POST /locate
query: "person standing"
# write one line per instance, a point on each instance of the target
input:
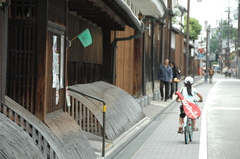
(234, 72)
(172, 84)
(205, 74)
(165, 78)
(211, 73)
(229, 72)
(225, 71)
(178, 78)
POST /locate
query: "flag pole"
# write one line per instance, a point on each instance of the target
(74, 38)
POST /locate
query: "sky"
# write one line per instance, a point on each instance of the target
(210, 10)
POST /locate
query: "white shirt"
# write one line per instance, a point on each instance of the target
(189, 97)
(225, 69)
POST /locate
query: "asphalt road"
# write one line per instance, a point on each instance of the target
(223, 119)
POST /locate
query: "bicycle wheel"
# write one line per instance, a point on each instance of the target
(190, 134)
(186, 134)
(190, 129)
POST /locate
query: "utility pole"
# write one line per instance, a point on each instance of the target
(208, 46)
(187, 40)
(228, 46)
(170, 14)
(238, 39)
(220, 47)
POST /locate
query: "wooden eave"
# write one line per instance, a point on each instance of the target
(97, 12)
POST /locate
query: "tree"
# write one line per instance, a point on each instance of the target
(194, 28)
(214, 43)
(221, 32)
(225, 29)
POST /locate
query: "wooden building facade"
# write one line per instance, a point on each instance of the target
(32, 25)
(42, 57)
(35, 26)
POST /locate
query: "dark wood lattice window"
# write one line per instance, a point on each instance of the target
(23, 9)
(22, 53)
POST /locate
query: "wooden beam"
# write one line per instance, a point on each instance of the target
(3, 51)
(97, 17)
(75, 5)
(95, 10)
(111, 13)
(41, 93)
(83, 13)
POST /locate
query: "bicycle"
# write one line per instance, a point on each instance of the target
(192, 111)
(188, 128)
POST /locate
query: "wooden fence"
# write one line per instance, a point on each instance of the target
(84, 117)
(43, 142)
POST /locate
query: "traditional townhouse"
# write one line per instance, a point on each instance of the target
(50, 81)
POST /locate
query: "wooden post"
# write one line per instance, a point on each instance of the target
(3, 49)
(107, 56)
(41, 94)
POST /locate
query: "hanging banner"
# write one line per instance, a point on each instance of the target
(55, 62)
(54, 81)
(57, 89)
(56, 57)
(68, 97)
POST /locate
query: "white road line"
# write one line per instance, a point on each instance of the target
(223, 108)
(203, 135)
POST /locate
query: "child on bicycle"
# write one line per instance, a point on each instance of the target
(189, 94)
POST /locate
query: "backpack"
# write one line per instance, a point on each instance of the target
(211, 72)
(177, 73)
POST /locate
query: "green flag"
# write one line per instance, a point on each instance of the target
(85, 37)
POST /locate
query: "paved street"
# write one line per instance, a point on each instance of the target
(223, 118)
(220, 133)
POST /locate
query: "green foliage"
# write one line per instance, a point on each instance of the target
(214, 44)
(194, 28)
(225, 29)
(214, 63)
(232, 56)
(222, 33)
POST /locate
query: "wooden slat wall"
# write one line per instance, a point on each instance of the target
(21, 71)
(83, 72)
(30, 53)
(84, 64)
(137, 64)
(77, 53)
(157, 48)
(129, 60)
(177, 58)
(179, 52)
(157, 55)
(125, 61)
(57, 11)
(148, 54)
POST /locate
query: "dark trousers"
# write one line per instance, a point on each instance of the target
(162, 83)
(176, 86)
(172, 85)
